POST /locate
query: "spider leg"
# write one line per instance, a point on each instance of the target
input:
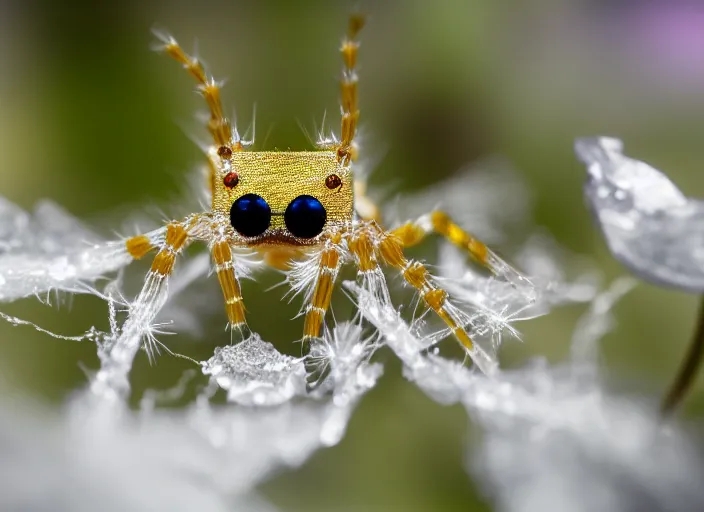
(369, 273)
(175, 240)
(218, 125)
(348, 87)
(390, 248)
(230, 285)
(141, 245)
(412, 233)
(319, 300)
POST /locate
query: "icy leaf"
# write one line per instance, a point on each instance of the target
(51, 251)
(649, 225)
(554, 437)
(346, 352)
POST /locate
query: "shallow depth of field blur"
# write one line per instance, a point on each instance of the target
(94, 120)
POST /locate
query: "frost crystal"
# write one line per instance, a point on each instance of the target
(253, 372)
(554, 437)
(650, 226)
(51, 251)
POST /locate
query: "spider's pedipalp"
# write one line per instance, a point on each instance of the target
(218, 125)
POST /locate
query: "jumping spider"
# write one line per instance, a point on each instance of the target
(294, 206)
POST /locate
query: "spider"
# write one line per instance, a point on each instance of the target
(302, 206)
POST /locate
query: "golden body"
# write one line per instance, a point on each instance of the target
(352, 229)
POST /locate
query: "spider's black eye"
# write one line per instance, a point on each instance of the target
(250, 215)
(305, 217)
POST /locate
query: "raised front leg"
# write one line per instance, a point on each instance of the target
(218, 125)
(348, 88)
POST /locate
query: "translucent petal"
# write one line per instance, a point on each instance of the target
(649, 225)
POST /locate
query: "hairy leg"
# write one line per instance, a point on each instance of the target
(390, 248)
(218, 125)
(437, 222)
(319, 302)
(348, 88)
(230, 285)
(144, 308)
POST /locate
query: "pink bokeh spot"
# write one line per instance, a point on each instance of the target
(669, 38)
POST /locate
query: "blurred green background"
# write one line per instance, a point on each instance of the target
(93, 120)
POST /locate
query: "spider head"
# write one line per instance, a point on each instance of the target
(282, 197)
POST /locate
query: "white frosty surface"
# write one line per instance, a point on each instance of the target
(116, 463)
(51, 251)
(649, 225)
(101, 455)
(554, 437)
(253, 372)
(503, 301)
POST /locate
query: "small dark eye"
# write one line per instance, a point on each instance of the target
(305, 217)
(231, 179)
(224, 152)
(250, 215)
(333, 181)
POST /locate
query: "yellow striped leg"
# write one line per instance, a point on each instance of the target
(175, 241)
(414, 273)
(232, 293)
(413, 233)
(218, 126)
(322, 293)
(141, 245)
(369, 274)
(348, 89)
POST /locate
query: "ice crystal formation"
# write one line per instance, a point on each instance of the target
(554, 436)
(649, 224)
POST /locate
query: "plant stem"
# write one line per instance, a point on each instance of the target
(688, 371)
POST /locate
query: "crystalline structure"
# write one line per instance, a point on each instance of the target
(649, 225)
(253, 372)
(554, 437)
(51, 251)
(516, 299)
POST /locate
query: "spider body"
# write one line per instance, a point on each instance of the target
(279, 178)
(305, 213)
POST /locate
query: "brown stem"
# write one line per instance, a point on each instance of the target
(688, 371)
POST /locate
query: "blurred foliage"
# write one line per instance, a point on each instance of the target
(92, 119)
